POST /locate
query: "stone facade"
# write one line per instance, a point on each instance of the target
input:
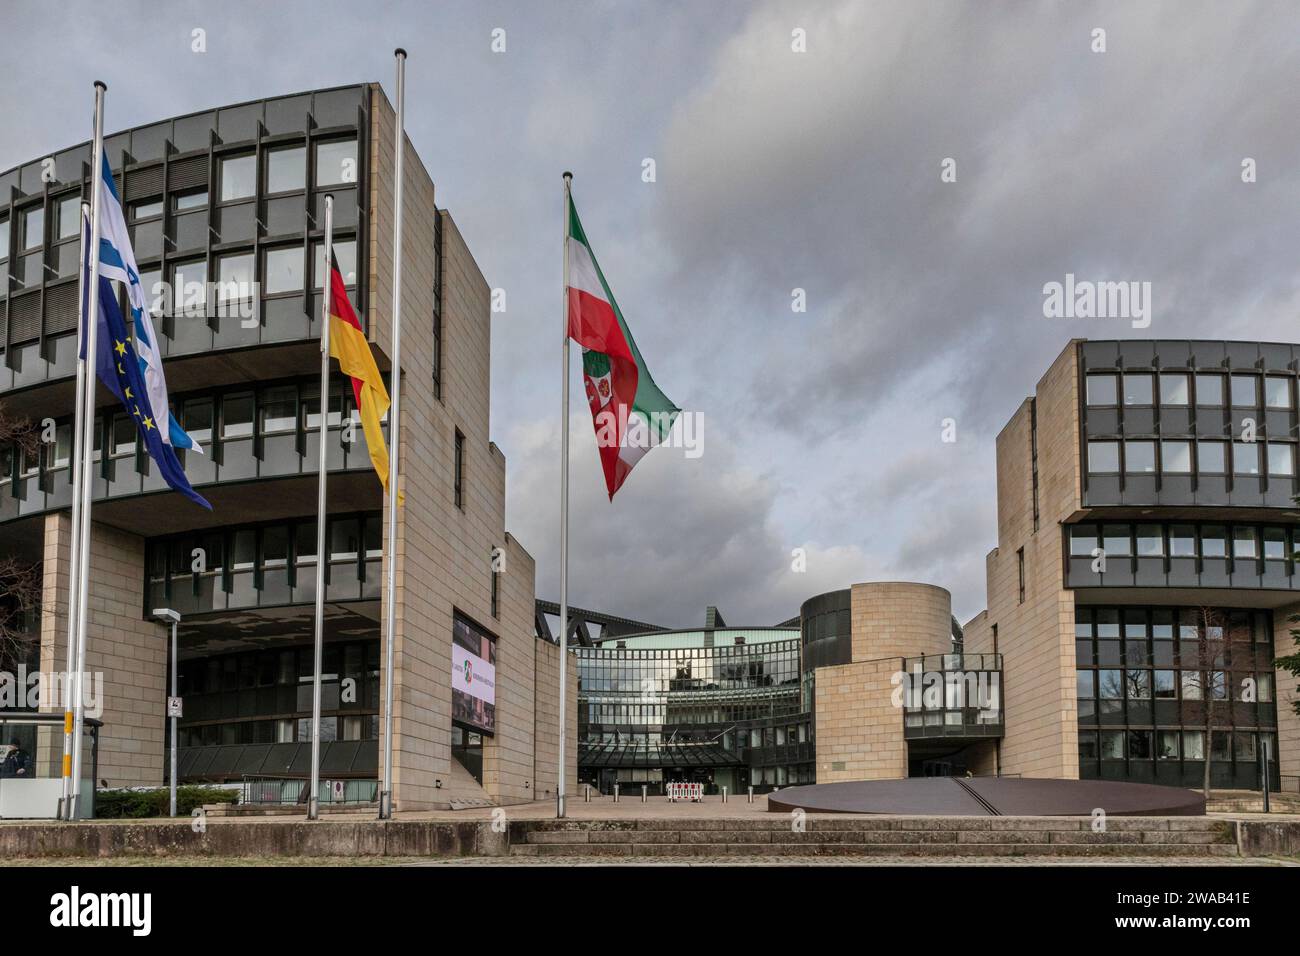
(1036, 632)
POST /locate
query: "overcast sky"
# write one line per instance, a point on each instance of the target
(776, 170)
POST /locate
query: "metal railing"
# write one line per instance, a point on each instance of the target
(258, 790)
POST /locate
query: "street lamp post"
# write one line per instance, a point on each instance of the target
(166, 615)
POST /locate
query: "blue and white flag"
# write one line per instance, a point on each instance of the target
(117, 261)
(120, 367)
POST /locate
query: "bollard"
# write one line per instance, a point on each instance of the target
(586, 793)
(751, 793)
(643, 793)
(1263, 773)
(724, 794)
(616, 793)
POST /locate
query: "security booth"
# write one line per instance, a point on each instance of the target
(31, 765)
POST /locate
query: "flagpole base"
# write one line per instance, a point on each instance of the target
(313, 808)
(559, 806)
(386, 805)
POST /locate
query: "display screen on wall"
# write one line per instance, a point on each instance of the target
(473, 676)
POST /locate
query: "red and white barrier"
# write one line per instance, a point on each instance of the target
(685, 791)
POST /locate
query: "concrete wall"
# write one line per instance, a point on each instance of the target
(123, 650)
(1036, 636)
(451, 548)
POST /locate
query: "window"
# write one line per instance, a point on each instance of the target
(1211, 457)
(1139, 457)
(1112, 745)
(1277, 392)
(1103, 457)
(1281, 459)
(278, 410)
(1176, 457)
(1167, 745)
(1182, 541)
(286, 169)
(336, 162)
(234, 281)
(146, 210)
(1166, 688)
(1191, 681)
(1245, 390)
(1245, 458)
(1193, 745)
(1274, 544)
(189, 287)
(283, 272)
(1020, 566)
(1150, 541)
(237, 416)
(33, 234)
(496, 585)
(1173, 388)
(345, 254)
(69, 217)
(458, 477)
(1137, 389)
(1115, 540)
(1214, 542)
(4, 242)
(1244, 544)
(1209, 389)
(238, 177)
(194, 200)
(1083, 538)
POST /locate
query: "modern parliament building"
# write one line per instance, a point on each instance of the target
(233, 198)
(1141, 586)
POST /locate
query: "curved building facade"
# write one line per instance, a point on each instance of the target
(225, 209)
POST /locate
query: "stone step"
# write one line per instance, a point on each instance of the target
(661, 850)
(881, 837)
(782, 823)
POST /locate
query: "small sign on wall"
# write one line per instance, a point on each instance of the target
(175, 707)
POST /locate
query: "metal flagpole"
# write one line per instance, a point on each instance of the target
(395, 379)
(87, 419)
(313, 799)
(564, 511)
(79, 433)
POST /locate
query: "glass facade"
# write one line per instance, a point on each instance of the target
(264, 565)
(1189, 423)
(234, 195)
(246, 434)
(1151, 681)
(704, 706)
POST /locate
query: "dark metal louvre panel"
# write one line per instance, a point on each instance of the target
(25, 318)
(143, 183)
(188, 173)
(61, 308)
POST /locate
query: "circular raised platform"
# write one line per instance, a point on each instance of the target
(990, 796)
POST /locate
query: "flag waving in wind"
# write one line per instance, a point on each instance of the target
(122, 370)
(117, 261)
(348, 344)
(631, 415)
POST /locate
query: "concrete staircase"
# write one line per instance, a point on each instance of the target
(875, 836)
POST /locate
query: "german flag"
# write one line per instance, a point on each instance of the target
(348, 344)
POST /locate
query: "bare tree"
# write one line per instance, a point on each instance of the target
(20, 581)
(1210, 678)
(20, 598)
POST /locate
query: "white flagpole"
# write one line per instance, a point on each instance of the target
(87, 420)
(394, 439)
(564, 512)
(313, 799)
(79, 433)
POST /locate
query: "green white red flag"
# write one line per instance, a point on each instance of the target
(630, 414)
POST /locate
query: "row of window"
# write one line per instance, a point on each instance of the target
(1236, 626)
(1188, 389)
(280, 731)
(1186, 457)
(1116, 684)
(264, 566)
(1241, 542)
(1238, 746)
(284, 171)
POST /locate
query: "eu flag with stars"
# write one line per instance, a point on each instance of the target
(120, 369)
